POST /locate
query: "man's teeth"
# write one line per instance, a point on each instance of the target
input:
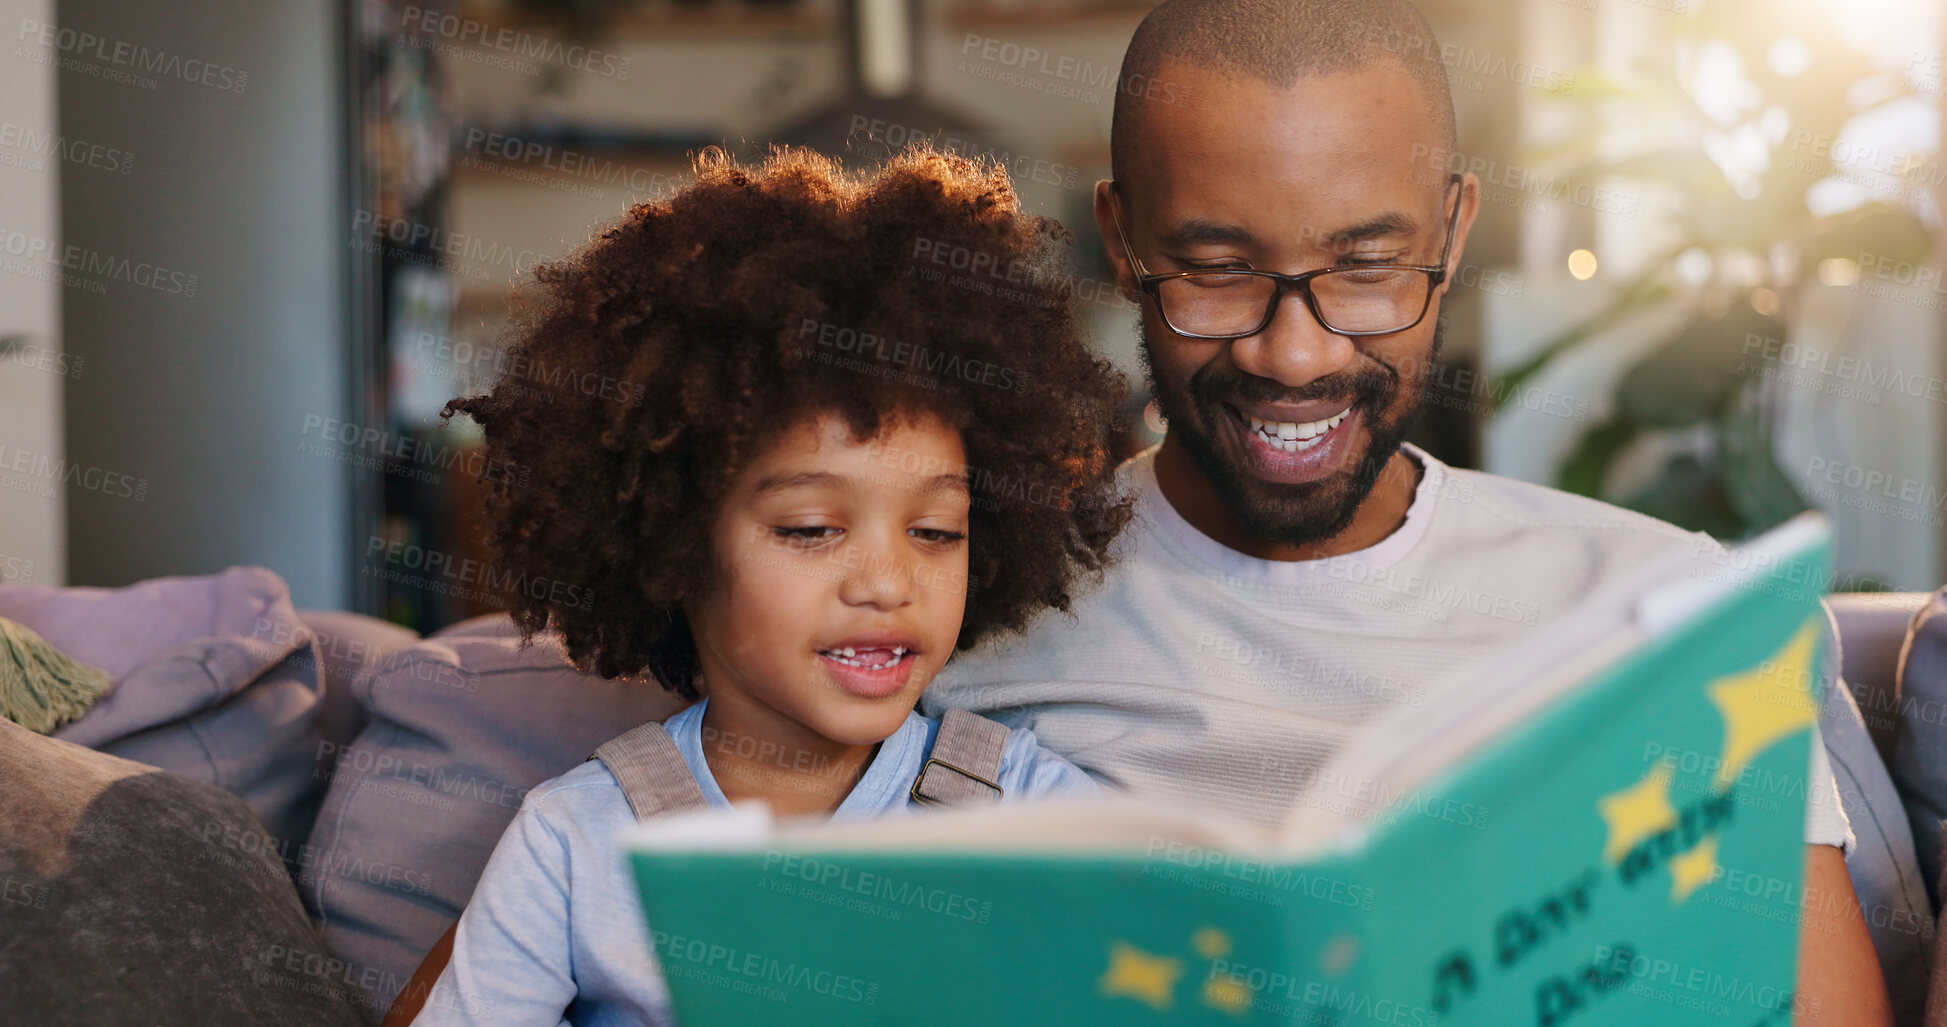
(847, 654)
(1293, 438)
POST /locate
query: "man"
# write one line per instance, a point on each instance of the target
(1294, 136)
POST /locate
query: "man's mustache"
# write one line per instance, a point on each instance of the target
(1215, 384)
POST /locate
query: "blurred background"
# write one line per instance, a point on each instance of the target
(251, 248)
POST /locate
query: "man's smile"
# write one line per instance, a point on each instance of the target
(1292, 432)
(1293, 452)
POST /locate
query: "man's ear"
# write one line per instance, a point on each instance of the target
(1125, 274)
(1470, 208)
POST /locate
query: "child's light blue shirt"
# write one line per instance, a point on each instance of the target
(554, 932)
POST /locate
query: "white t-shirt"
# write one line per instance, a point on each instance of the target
(1201, 674)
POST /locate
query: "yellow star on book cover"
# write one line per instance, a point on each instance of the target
(1220, 991)
(1766, 703)
(1139, 975)
(1639, 811)
(1692, 870)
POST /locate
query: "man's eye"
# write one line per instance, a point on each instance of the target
(1356, 275)
(940, 535)
(1215, 278)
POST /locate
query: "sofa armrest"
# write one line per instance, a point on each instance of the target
(1872, 629)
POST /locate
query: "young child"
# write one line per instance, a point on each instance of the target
(803, 434)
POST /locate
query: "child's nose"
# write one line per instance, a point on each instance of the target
(881, 579)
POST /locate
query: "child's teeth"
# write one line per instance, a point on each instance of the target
(848, 656)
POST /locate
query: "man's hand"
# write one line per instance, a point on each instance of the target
(1839, 983)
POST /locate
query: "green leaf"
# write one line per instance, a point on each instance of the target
(1689, 496)
(1646, 291)
(1886, 233)
(1757, 487)
(1585, 469)
(1695, 376)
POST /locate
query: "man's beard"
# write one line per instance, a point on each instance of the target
(1291, 514)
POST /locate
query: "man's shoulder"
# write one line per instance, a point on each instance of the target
(1490, 500)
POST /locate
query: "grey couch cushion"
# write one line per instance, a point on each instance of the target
(1884, 869)
(1937, 993)
(349, 644)
(458, 730)
(216, 679)
(1872, 627)
(130, 895)
(1920, 752)
(488, 625)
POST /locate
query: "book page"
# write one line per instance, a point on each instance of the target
(1112, 824)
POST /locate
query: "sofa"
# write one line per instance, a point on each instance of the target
(1884, 696)
(379, 768)
(376, 767)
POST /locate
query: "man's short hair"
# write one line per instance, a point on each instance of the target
(1275, 41)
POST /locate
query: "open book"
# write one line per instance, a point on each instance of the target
(1603, 826)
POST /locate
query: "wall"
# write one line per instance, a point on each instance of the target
(32, 366)
(211, 302)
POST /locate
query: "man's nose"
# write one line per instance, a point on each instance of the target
(1294, 350)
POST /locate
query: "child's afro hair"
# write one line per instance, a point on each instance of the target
(645, 370)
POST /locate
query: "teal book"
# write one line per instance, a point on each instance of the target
(1602, 826)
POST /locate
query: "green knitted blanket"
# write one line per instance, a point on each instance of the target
(41, 687)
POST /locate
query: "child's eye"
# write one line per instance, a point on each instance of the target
(939, 535)
(804, 534)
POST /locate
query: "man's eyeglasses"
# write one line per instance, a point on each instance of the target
(1357, 301)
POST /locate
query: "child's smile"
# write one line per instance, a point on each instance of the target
(873, 665)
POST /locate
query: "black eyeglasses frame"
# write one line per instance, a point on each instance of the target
(1151, 284)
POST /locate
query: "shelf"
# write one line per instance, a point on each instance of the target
(1024, 17)
(717, 20)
